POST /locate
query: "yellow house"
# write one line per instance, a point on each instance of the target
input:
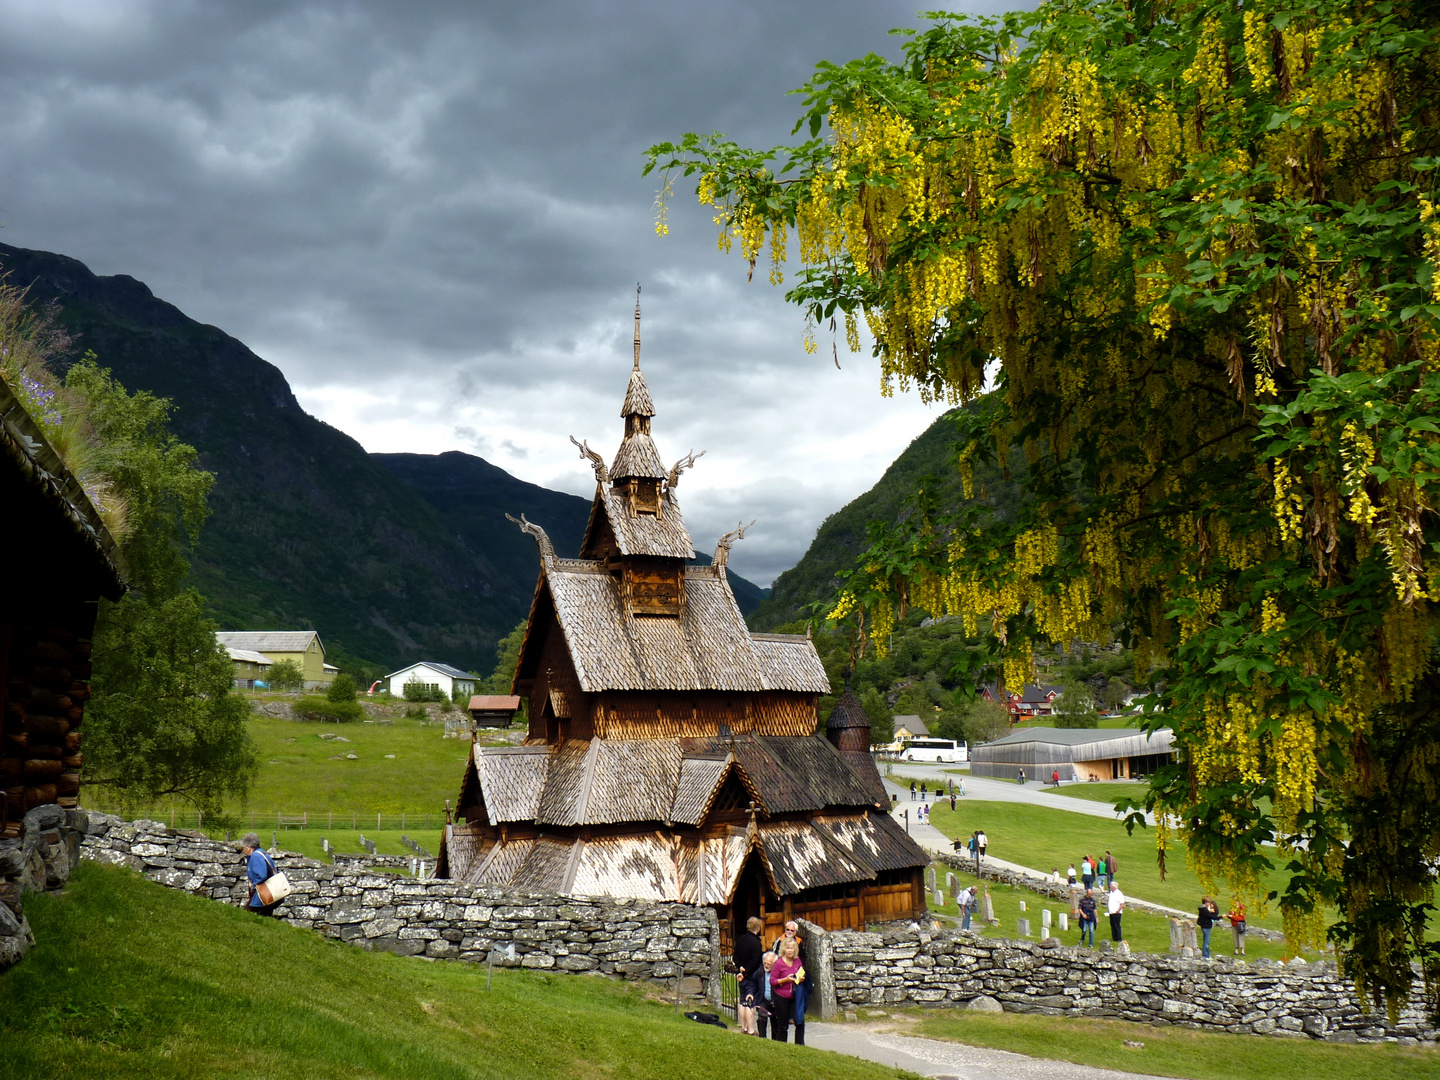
(249, 666)
(910, 727)
(302, 646)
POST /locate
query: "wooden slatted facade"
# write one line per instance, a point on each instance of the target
(671, 753)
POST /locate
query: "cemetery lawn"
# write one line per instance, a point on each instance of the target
(1043, 838)
(1145, 932)
(1173, 1051)
(130, 979)
(1109, 793)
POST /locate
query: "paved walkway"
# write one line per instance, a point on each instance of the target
(932, 839)
(931, 1057)
(992, 790)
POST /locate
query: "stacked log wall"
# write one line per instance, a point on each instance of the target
(46, 683)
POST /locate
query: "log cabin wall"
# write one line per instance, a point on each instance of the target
(47, 672)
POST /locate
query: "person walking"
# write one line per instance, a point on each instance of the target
(974, 847)
(258, 867)
(952, 801)
(1021, 778)
(1070, 876)
(983, 842)
(1055, 778)
(1111, 866)
(1087, 872)
(1237, 926)
(1088, 917)
(1115, 907)
(764, 997)
(747, 955)
(1206, 919)
(785, 978)
(912, 790)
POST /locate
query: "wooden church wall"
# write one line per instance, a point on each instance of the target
(694, 715)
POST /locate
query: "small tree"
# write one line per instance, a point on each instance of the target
(985, 721)
(1075, 707)
(415, 690)
(882, 721)
(285, 675)
(342, 689)
(507, 656)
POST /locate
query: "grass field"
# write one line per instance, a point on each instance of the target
(132, 980)
(1173, 1051)
(1042, 838)
(1145, 932)
(1107, 792)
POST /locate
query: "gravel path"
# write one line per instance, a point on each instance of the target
(931, 1057)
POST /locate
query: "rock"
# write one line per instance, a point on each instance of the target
(352, 757)
(1049, 942)
(985, 1004)
(389, 756)
(41, 818)
(851, 1017)
(1133, 1045)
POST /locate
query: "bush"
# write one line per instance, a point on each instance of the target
(416, 712)
(415, 690)
(315, 707)
(285, 675)
(341, 690)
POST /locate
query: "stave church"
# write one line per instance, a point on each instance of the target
(672, 754)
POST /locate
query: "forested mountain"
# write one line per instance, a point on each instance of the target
(928, 463)
(393, 558)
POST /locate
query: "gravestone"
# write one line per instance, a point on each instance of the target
(1064, 920)
(990, 910)
(950, 882)
(1022, 906)
(1022, 927)
(1189, 938)
(1124, 948)
(1045, 918)
(939, 898)
(930, 877)
(1044, 931)
(1177, 936)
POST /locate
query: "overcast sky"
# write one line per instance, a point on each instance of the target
(431, 217)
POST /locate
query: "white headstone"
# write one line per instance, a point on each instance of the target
(950, 881)
(1044, 932)
(1045, 918)
(989, 908)
(1022, 927)
(1022, 906)
(1064, 920)
(939, 898)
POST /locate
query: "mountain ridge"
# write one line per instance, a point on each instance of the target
(307, 530)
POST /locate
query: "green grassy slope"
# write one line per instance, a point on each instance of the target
(133, 980)
(1042, 838)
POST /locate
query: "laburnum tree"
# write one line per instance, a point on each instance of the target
(1196, 246)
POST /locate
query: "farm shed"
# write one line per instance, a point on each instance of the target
(302, 646)
(438, 677)
(1075, 753)
(672, 754)
(494, 710)
(59, 560)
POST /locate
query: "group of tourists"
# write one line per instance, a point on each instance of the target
(1209, 915)
(774, 984)
(1094, 872)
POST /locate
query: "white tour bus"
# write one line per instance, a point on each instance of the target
(934, 750)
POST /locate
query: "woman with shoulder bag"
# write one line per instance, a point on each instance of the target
(1237, 926)
(261, 871)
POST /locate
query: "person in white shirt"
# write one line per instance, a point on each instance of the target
(1115, 906)
(966, 902)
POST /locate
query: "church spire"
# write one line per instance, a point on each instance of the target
(637, 394)
(637, 327)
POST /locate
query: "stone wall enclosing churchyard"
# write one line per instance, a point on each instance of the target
(642, 941)
(433, 918)
(958, 968)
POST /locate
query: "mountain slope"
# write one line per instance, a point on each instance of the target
(393, 558)
(929, 462)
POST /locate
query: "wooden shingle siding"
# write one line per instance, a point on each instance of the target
(699, 781)
(798, 858)
(512, 779)
(544, 866)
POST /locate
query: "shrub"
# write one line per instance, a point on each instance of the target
(341, 690)
(315, 707)
(415, 690)
(415, 712)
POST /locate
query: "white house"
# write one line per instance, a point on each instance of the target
(448, 680)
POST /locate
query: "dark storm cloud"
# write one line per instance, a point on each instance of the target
(431, 218)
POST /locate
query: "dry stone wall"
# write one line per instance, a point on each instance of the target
(960, 968)
(432, 918)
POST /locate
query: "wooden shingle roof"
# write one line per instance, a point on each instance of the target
(661, 535)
